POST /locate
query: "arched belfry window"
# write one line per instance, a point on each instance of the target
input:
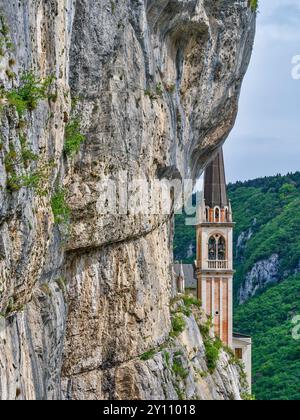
(212, 248)
(217, 214)
(221, 249)
(217, 248)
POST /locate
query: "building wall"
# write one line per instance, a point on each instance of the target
(246, 345)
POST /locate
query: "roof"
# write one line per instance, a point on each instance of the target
(238, 335)
(189, 274)
(215, 193)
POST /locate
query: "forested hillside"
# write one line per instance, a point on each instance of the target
(267, 284)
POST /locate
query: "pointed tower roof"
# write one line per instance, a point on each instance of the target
(215, 193)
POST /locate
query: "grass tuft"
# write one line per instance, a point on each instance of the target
(148, 355)
(178, 325)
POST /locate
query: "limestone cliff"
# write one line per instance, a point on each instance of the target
(153, 85)
(262, 274)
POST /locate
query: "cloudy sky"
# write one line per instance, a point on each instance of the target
(266, 138)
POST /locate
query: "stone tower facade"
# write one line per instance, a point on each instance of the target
(214, 263)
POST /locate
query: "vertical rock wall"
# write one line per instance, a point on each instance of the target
(154, 85)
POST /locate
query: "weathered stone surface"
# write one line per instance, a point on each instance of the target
(156, 378)
(190, 58)
(262, 274)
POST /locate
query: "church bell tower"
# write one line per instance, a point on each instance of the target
(214, 264)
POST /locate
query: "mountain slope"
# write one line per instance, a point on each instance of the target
(266, 212)
(276, 355)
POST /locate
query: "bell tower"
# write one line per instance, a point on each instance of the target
(214, 264)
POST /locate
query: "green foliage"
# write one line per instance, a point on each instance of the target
(32, 180)
(73, 137)
(113, 7)
(150, 94)
(185, 310)
(276, 355)
(13, 161)
(12, 308)
(4, 29)
(212, 352)
(27, 156)
(254, 5)
(248, 397)
(188, 302)
(212, 346)
(269, 209)
(60, 209)
(179, 370)
(11, 62)
(156, 93)
(148, 355)
(10, 160)
(205, 328)
(201, 374)
(178, 325)
(167, 358)
(10, 74)
(31, 90)
(5, 42)
(170, 88)
(185, 236)
(159, 89)
(191, 301)
(62, 283)
(179, 392)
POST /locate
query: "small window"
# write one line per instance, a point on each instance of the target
(239, 353)
(217, 215)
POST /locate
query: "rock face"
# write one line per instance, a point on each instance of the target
(154, 86)
(242, 241)
(262, 274)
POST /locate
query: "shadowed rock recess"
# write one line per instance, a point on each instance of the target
(154, 85)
